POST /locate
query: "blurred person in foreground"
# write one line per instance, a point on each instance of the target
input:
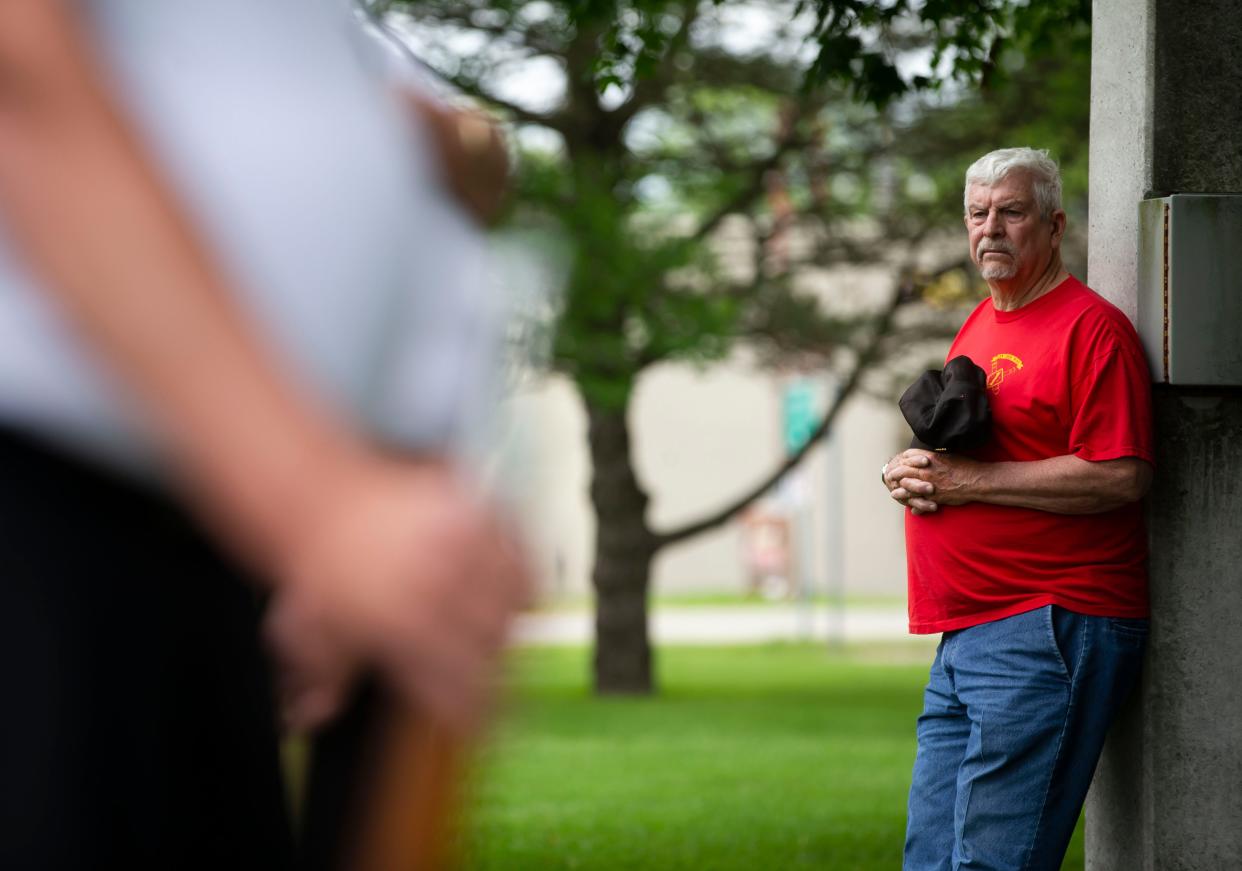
(210, 216)
(1029, 554)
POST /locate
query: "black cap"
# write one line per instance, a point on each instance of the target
(948, 410)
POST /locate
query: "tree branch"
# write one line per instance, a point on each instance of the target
(905, 292)
(472, 88)
(467, 85)
(535, 37)
(754, 181)
(650, 89)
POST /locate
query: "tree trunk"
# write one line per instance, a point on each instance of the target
(624, 548)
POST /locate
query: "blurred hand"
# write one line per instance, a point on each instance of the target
(472, 155)
(403, 571)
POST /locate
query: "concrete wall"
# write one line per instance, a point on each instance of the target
(1166, 117)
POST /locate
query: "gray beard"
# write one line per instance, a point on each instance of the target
(993, 271)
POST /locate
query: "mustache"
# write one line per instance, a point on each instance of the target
(987, 245)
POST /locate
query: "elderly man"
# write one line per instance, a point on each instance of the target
(1029, 553)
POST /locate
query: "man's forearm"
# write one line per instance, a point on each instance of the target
(1062, 485)
(95, 223)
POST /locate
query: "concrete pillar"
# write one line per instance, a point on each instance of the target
(1166, 117)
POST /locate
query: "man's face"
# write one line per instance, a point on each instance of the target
(1009, 241)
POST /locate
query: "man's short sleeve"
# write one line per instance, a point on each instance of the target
(1111, 402)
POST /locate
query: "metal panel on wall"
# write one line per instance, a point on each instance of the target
(1190, 288)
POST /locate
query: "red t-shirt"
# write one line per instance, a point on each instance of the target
(1066, 375)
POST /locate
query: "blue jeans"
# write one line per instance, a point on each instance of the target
(1014, 717)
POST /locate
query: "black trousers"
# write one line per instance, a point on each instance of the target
(137, 726)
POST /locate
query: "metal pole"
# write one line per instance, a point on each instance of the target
(834, 564)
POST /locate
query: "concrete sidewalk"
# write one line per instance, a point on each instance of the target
(729, 625)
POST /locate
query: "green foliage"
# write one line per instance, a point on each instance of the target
(782, 756)
(624, 308)
(635, 36)
(666, 131)
(859, 40)
(647, 287)
(845, 56)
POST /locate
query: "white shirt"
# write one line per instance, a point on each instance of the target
(273, 123)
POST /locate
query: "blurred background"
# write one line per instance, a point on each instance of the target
(716, 204)
(735, 238)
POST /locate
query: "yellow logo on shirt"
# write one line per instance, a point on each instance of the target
(1002, 365)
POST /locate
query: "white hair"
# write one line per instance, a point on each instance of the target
(995, 165)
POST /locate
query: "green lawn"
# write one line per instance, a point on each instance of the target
(724, 599)
(772, 757)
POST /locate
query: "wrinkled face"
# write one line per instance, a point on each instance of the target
(1009, 241)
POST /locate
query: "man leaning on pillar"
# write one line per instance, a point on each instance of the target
(1028, 554)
